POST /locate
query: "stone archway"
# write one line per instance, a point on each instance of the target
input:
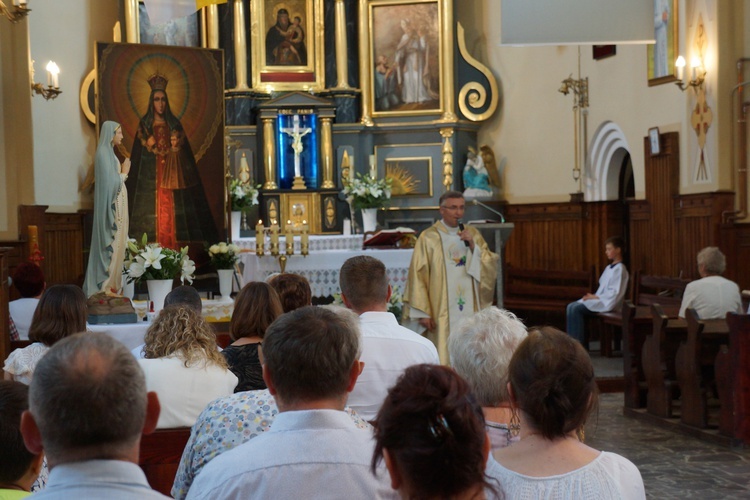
(608, 150)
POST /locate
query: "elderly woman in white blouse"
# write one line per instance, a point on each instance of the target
(552, 386)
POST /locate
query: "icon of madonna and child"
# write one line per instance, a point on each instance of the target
(166, 197)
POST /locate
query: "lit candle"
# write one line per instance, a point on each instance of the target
(304, 239)
(680, 65)
(260, 240)
(695, 63)
(275, 234)
(33, 234)
(289, 238)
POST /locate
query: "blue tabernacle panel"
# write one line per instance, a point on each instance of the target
(308, 129)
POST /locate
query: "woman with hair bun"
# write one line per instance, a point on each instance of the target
(551, 384)
(430, 432)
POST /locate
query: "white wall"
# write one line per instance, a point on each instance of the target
(64, 142)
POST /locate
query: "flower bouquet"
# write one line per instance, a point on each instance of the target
(224, 256)
(149, 261)
(365, 192)
(244, 195)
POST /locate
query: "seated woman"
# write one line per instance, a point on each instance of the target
(552, 386)
(183, 366)
(28, 279)
(293, 290)
(61, 312)
(19, 468)
(613, 284)
(430, 432)
(480, 350)
(256, 306)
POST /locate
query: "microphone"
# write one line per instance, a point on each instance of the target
(477, 202)
(461, 228)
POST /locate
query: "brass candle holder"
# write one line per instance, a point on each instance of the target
(274, 246)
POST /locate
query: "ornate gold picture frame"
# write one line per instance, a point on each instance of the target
(287, 40)
(663, 54)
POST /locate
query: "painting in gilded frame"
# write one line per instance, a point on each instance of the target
(410, 176)
(287, 45)
(663, 53)
(406, 57)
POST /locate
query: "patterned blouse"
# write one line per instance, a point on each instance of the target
(226, 423)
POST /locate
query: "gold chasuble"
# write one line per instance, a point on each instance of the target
(448, 282)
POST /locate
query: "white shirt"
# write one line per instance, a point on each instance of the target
(305, 454)
(387, 350)
(185, 391)
(22, 310)
(711, 297)
(22, 362)
(607, 476)
(613, 283)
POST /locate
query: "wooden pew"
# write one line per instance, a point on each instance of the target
(694, 364)
(160, 456)
(733, 379)
(663, 290)
(636, 323)
(659, 350)
(544, 290)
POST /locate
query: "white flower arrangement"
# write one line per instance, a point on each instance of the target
(365, 192)
(244, 195)
(149, 261)
(224, 256)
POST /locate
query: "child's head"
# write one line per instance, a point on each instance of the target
(174, 138)
(17, 464)
(297, 20)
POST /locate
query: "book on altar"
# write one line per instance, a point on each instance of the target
(388, 237)
(484, 221)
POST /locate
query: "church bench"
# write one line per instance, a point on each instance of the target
(663, 290)
(658, 357)
(732, 368)
(694, 364)
(160, 456)
(544, 290)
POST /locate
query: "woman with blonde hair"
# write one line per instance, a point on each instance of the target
(183, 366)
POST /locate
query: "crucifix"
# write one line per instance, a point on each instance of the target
(297, 133)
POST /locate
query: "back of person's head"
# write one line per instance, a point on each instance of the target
(293, 290)
(616, 241)
(180, 331)
(61, 312)
(28, 279)
(480, 350)
(184, 295)
(88, 399)
(364, 282)
(433, 431)
(309, 354)
(15, 459)
(255, 308)
(712, 260)
(553, 383)
(449, 195)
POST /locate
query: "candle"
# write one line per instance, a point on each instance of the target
(304, 239)
(373, 170)
(347, 227)
(33, 234)
(289, 238)
(260, 240)
(274, 234)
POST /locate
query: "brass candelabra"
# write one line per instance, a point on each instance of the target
(272, 232)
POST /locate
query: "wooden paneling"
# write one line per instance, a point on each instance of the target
(60, 240)
(735, 242)
(4, 314)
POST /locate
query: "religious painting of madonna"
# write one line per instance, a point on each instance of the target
(170, 104)
(405, 57)
(287, 44)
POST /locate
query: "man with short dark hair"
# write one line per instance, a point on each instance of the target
(88, 407)
(452, 274)
(387, 347)
(313, 448)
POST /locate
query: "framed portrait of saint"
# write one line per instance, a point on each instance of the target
(406, 57)
(169, 102)
(287, 39)
(663, 53)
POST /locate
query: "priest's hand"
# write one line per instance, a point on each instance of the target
(465, 235)
(428, 323)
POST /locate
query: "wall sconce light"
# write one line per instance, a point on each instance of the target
(19, 10)
(53, 84)
(580, 89)
(698, 73)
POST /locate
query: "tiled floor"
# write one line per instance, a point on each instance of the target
(672, 465)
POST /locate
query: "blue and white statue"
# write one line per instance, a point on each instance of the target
(480, 174)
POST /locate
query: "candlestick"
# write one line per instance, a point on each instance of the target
(260, 239)
(274, 238)
(373, 169)
(304, 239)
(33, 234)
(289, 238)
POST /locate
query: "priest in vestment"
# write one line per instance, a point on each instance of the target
(452, 274)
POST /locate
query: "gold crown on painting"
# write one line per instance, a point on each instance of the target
(157, 82)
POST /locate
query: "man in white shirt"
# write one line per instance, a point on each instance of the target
(387, 347)
(88, 407)
(313, 449)
(712, 296)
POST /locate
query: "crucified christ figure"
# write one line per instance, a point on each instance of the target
(296, 133)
